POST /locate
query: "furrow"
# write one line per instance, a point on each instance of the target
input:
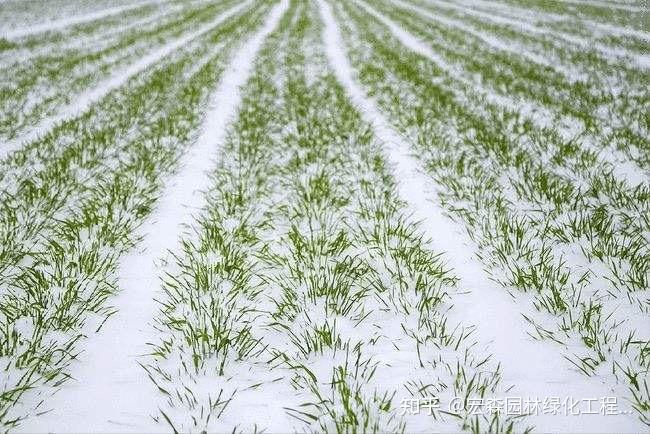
(70, 21)
(523, 359)
(82, 102)
(66, 271)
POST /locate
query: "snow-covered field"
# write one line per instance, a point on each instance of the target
(324, 216)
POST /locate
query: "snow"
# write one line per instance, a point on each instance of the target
(608, 4)
(536, 15)
(492, 41)
(110, 392)
(18, 55)
(70, 21)
(538, 369)
(82, 102)
(527, 25)
(540, 115)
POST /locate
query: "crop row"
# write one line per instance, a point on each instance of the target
(39, 86)
(72, 199)
(304, 289)
(549, 218)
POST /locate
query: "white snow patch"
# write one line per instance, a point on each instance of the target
(110, 391)
(607, 4)
(525, 21)
(70, 21)
(541, 116)
(83, 101)
(493, 41)
(537, 369)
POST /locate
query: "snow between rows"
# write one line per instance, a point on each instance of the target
(492, 41)
(536, 368)
(24, 55)
(82, 102)
(536, 16)
(110, 391)
(523, 24)
(541, 116)
(607, 4)
(71, 21)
